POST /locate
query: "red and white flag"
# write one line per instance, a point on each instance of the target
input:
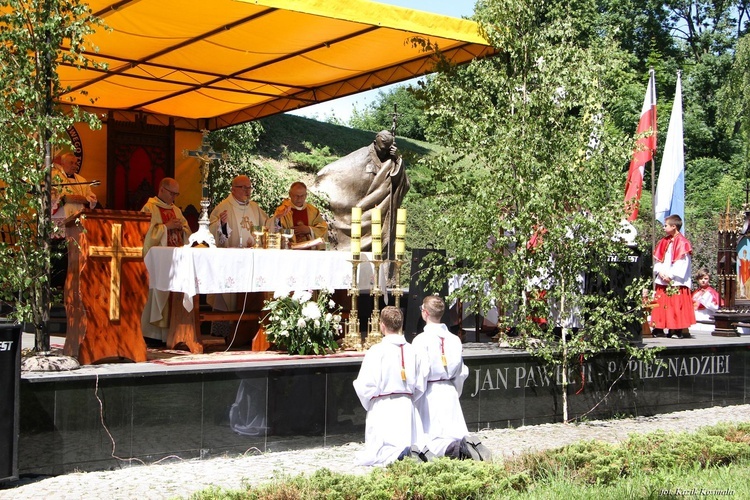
(643, 153)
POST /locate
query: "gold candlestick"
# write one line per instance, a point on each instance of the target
(400, 253)
(353, 338)
(373, 331)
(397, 291)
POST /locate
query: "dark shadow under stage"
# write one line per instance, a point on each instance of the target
(177, 404)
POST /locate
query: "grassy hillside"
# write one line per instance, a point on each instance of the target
(288, 133)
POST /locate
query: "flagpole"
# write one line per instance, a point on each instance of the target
(652, 81)
(670, 190)
(653, 207)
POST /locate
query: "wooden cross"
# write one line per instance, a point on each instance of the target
(116, 253)
(396, 115)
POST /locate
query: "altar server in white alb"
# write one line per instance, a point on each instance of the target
(439, 409)
(390, 380)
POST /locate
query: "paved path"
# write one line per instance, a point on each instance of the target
(182, 478)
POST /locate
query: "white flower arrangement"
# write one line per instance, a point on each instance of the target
(300, 325)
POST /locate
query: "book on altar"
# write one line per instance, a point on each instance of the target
(304, 245)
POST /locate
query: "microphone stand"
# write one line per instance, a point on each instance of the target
(92, 184)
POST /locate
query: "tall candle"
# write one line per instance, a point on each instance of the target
(356, 215)
(355, 247)
(400, 247)
(356, 231)
(401, 215)
(376, 229)
(375, 216)
(377, 247)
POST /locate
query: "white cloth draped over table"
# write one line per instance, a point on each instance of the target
(193, 271)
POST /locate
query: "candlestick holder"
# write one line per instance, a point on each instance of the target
(396, 291)
(373, 330)
(373, 326)
(353, 337)
(203, 234)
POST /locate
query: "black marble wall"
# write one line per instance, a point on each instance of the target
(510, 391)
(81, 423)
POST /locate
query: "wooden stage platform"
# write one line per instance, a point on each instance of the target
(188, 405)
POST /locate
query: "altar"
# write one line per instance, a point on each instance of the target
(189, 272)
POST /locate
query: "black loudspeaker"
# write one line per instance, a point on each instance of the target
(621, 274)
(419, 288)
(10, 378)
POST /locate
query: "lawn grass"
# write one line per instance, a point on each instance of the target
(730, 481)
(713, 462)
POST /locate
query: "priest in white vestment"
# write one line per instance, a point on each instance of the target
(390, 380)
(168, 228)
(232, 220)
(439, 409)
(231, 223)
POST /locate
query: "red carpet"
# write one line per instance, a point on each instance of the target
(186, 358)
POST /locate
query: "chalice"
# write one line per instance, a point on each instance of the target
(258, 233)
(287, 234)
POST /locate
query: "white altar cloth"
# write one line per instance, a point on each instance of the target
(193, 271)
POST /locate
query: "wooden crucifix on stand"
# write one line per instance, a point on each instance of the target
(205, 155)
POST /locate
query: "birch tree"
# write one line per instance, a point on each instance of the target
(529, 193)
(36, 37)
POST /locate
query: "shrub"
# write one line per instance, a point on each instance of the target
(317, 158)
(645, 464)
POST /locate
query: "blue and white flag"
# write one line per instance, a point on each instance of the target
(670, 190)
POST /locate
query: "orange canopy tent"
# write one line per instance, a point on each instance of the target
(209, 65)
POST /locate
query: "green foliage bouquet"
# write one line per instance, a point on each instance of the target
(300, 324)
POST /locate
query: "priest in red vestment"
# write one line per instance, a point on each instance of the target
(168, 228)
(305, 219)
